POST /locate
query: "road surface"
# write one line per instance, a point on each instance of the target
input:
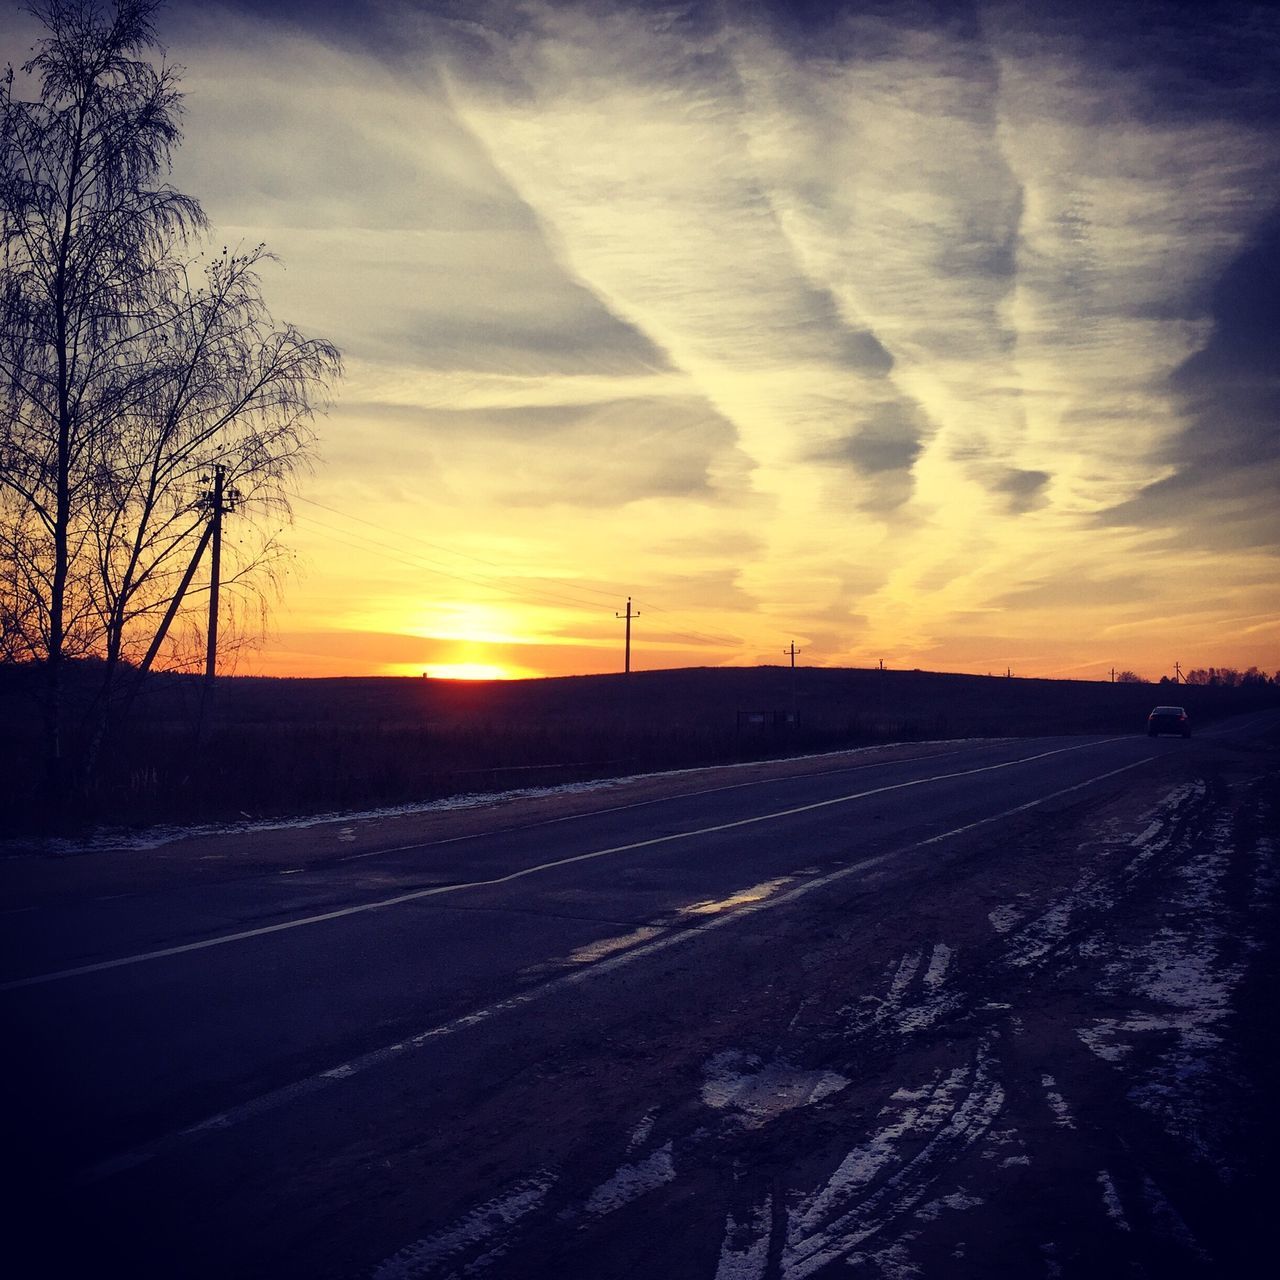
(960, 1009)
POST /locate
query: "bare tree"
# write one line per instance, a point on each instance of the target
(131, 363)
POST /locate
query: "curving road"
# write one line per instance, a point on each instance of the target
(774, 1021)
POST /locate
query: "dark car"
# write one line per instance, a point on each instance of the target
(1168, 720)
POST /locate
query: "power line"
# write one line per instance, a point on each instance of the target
(735, 642)
(453, 551)
(494, 583)
(421, 564)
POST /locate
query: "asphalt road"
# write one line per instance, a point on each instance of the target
(517, 1042)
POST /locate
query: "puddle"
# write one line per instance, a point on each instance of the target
(594, 951)
(757, 893)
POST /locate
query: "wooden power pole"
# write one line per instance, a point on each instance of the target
(795, 705)
(221, 501)
(628, 616)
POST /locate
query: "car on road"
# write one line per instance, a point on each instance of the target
(1168, 720)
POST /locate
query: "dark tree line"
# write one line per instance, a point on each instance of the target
(1230, 678)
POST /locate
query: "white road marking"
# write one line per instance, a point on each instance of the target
(684, 795)
(377, 1057)
(418, 895)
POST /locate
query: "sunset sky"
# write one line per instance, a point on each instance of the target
(937, 334)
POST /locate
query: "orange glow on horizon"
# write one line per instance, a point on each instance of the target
(465, 671)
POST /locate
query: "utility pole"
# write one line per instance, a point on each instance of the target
(1113, 675)
(628, 615)
(1177, 673)
(221, 501)
(795, 705)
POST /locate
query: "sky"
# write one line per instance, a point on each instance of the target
(941, 335)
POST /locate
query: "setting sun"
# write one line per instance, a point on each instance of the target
(467, 671)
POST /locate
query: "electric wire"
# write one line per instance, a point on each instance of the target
(453, 551)
(498, 584)
(423, 565)
(419, 564)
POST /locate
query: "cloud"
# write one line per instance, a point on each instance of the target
(597, 455)
(634, 141)
(540, 325)
(1078, 590)
(1224, 463)
(1025, 488)
(282, 128)
(1013, 222)
(891, 442)
(878, 323)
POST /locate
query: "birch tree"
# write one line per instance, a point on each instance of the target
(133, 358)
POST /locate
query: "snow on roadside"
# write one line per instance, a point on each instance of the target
(1003, 918)
(630, 1181)
(1062, 1116)
(1032, 944)
(125, 839)
(117, 840)
(1180, 978)
(757, 1091)
(1184, 971)
(858, 1200)
(1111, 1201)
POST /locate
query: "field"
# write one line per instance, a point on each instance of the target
(276, 747)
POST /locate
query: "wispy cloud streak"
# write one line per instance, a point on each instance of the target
(938, 333)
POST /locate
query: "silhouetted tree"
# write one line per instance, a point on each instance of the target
(131, 363)
(1129, 677)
